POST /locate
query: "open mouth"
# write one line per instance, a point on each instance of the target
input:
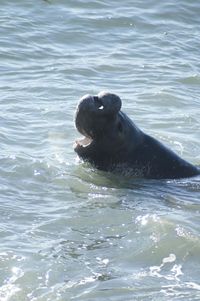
(84, 142)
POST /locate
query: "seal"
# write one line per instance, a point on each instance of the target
(112, 142)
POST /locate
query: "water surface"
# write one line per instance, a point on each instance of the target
(69, 232)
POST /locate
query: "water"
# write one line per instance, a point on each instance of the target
(69, 232)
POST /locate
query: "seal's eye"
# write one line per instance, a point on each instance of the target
(120, 127)
(98, 102)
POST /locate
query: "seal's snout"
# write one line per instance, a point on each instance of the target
(111, 102)
(98, 103)
(103, 103)
(85, 103)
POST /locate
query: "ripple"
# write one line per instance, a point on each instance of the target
(69, 231)
(191, 80)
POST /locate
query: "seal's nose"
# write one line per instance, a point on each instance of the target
(85, 102)
(103, 104)
(90, 103)
(98, 103)
(111, 102)
(86, 98)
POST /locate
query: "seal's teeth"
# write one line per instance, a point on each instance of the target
(101, 107)
(84, 142)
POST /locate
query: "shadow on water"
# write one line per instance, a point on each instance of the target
(180, 190)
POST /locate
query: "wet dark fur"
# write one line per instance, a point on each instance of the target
(118, 144)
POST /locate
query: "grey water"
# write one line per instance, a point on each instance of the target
(68, 231)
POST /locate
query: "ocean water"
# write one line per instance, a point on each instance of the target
(68, 231)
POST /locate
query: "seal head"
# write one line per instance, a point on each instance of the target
(94, 112)
(107, 131)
